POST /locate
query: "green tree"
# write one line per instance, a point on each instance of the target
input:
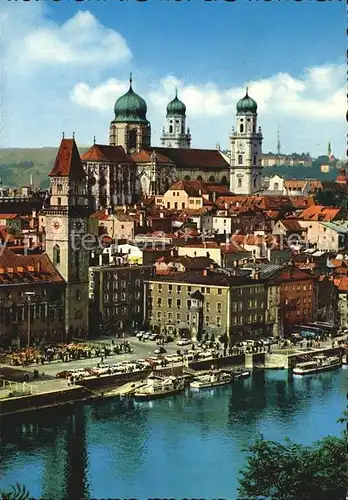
(18, 492)
(289, 471)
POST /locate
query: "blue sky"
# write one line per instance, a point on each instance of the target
(69, 61)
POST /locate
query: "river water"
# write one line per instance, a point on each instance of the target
(190, 445)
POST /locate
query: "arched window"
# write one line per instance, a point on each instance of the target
(182, 129)
(240, 159)
(239, 182)
(132, 139)
(211, 178)
(170, 129)
(254, 159)
(187, 178)
(254, 127)
(255, 182)
(241, 128)
(224, 180)
(56, 255)
(276, 186)
(199, 178)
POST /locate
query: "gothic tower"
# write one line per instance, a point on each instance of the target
(246, 149)
(66, 224)
(175, 135)
(130, 127)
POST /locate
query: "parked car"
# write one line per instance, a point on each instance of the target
(182, 342)
(168, 339)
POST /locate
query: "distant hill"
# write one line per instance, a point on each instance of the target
(18, 164)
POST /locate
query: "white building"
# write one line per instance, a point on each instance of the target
(246, 149)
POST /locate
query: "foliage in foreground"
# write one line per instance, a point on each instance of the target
(19, 492)
(291, 471)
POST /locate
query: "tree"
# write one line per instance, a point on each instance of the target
(291, 471)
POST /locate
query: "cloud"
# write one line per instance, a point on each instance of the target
(80, 42)
(101, 97)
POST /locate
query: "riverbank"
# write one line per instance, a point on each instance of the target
(54, 392)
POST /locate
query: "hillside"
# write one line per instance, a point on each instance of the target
(18, 164)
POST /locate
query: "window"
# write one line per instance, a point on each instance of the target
(188, 304)
(170, 316)
(137, 283)
(240, 306)
(106, 297)
(114, 296)
(178, 303)
(178, 289)
(59, 201)
(219, 291)
(207, 290)
(159, 302)
(310, 286)
(239, 182)
(241, 128)
(240, 291)
(170, 129)
(234, 306)
(189, 288)
(159, 315)
(240, 159)
(170, 288)
(137, 295)
(159, 288)
(77, 264)
(207, 306)
(178, 316)
(56, 255)
(240, 320)
(202, 289)
(218, 307)
(254, 159)
(170, 302)
(249, 304)
(123, 296)
(207, 319)
(123, 284)
(218, 321)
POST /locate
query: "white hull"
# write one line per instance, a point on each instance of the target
(318, 369)
(197, 385)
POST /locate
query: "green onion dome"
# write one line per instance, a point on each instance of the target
(176, 107)
(130, 107)
(246, 105)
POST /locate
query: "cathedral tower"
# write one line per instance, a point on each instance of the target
(66, 224)
(130, 127)
(246, 149)
(175, 135)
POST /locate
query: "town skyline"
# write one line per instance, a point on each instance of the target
(80, 60)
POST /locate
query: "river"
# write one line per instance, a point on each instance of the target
(190, 445)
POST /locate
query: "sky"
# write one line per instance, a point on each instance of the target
(64, 64)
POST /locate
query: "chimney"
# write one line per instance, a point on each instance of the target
(205, 272)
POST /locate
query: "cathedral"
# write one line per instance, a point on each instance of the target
(130, 167)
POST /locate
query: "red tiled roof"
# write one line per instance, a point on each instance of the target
(192, 188)
(8, 216)
(145, 156)
(291, 224)
(198, 158)
(105, 153)
(68, 161)
(291, 273)
(341, 284)
(26, 268)
(100, 215)
(319, 213)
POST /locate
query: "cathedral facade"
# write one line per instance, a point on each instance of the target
(130, 167)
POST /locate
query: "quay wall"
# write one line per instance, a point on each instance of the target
(23, 404)
(206, 364)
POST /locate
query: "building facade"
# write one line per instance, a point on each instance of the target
(246, 149)
(205, 301)
(117, 296)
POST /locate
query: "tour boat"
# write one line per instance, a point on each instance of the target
(318, 364)
(212, 379)
(157, 387)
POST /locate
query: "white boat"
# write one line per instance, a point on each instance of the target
(157, 387)
(241, 374)
(212, 379)
(318, 364)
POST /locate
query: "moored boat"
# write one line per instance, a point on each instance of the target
(241, 374)
(157, 387)
(213, 379)
(318, 364)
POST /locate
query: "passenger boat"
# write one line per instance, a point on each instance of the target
(213, 379)
(318, 364)
(157, 387)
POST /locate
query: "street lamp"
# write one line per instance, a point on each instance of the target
(29, 295)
